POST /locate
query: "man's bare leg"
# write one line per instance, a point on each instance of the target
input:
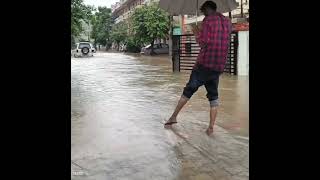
(213, 115)
(183, 100)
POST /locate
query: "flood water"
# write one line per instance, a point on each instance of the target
(118, 104)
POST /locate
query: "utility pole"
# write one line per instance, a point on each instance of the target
(241, 5)
(170, 34)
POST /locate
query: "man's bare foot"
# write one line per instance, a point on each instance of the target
(170, 122)
(209, 131)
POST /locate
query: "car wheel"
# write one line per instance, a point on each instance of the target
(85, 50)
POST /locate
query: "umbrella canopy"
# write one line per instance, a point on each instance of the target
(192, 7)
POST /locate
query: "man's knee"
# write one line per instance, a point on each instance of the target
(189, 90)
(214, 103)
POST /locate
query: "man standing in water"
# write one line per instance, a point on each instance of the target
(213, 38)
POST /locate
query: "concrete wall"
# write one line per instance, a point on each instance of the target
(243, 53)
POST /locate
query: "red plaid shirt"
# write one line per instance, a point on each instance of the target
(214, 38)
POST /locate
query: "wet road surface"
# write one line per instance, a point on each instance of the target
(118, 105)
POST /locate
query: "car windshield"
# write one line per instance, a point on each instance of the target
(82, 45)
(165, 45)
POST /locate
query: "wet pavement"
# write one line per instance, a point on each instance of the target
(118, 105)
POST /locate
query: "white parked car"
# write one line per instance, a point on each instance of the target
(83, 49)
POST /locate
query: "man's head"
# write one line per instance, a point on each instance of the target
(209, 7)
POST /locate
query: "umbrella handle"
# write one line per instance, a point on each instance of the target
(197, 14)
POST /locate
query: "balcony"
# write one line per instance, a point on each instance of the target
(127, 14)
(119, 19)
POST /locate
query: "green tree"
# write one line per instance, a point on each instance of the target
(150, 23)
(132, 45)
(101, 26)
(119, 33)
(79, 12)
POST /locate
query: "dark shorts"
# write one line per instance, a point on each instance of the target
(208, 78)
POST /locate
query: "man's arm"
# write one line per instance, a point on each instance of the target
(201, 37)
(196, 30)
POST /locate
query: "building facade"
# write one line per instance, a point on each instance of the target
(123, 9)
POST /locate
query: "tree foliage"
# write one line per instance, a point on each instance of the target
(119, 33)
(79, 12)
(149, 23)
(101, 26)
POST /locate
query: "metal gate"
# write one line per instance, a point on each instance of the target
(185, 51)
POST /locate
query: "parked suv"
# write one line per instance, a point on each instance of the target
(83, 49)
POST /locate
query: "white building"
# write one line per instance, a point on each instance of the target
(123, 9)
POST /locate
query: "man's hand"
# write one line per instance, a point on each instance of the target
(195, 29)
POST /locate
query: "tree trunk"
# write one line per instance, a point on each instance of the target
(118, 44)
(107, 45)
(152, 51)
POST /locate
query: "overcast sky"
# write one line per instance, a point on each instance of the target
(97, 3)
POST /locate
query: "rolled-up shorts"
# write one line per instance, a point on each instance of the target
(209, 78)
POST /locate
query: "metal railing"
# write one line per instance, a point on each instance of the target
(185, 51)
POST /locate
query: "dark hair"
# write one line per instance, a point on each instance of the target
(210, 4)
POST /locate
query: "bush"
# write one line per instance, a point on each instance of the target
(132, 46)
